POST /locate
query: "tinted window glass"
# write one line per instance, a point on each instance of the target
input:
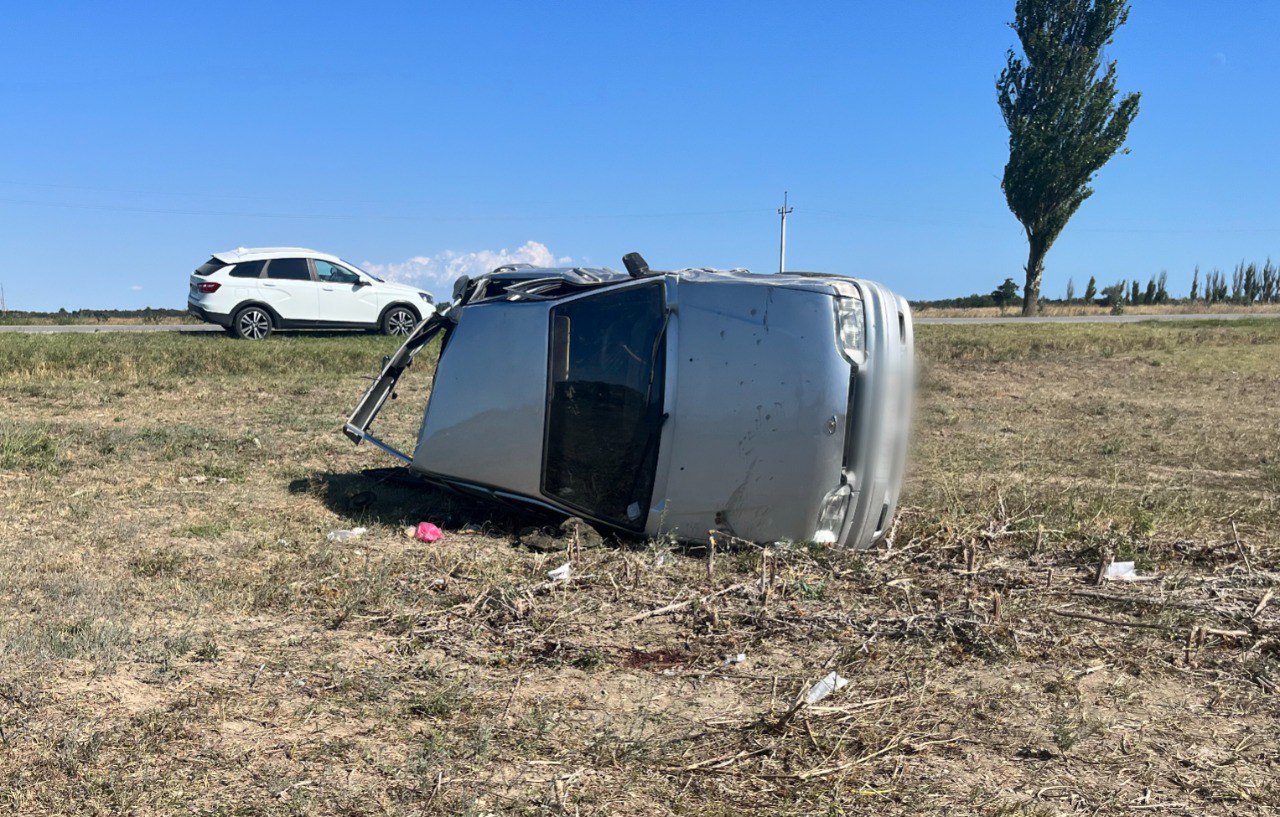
(604, 412)
(289, 269)
(248, 269)
(334, 274)
(209, 267)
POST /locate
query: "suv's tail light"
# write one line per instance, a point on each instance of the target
(208, 286)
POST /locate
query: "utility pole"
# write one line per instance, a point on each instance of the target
(782, 245)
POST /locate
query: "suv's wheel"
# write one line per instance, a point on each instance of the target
(252, 323)
(399, 320)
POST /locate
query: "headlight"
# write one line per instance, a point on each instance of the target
(426, 296)
(831, 517)
(851, 326)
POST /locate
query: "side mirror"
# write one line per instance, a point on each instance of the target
(360, 282)
(636, 266)
(460, 287)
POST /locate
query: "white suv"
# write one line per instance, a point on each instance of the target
(251, 292)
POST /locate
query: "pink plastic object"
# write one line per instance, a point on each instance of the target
(428, 532)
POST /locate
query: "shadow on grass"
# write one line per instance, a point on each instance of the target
(398, 497)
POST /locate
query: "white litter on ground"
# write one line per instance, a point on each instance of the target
(1123, 572)
(824, 688)
(560, 573)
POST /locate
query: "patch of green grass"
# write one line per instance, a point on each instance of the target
(590, 659)
(207, 651)
(95, 639)
(25, 447)
(161, 562)
(1112, 447)
(179, 441)
(439, 704)
(206, 530)
(809, 590)
(169, 648)
(236, 471)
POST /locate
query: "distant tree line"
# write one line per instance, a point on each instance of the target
(146, 315)
(1248, 284)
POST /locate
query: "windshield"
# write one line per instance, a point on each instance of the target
(604, 410)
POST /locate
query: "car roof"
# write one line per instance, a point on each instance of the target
(519, 278)
(240, 254)
(605, 275)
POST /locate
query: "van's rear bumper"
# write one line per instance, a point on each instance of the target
(205, 315)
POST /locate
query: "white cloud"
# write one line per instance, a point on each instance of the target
(436, 273)
(136, 288)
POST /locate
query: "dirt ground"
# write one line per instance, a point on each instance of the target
(179, 636)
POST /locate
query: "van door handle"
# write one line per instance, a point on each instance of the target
(268, 285)
(327, 289)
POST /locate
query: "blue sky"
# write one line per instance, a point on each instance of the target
(425, 137)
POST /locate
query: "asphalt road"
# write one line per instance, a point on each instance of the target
(208, 327)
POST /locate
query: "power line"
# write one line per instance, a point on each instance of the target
(370, 216)
(820, 214)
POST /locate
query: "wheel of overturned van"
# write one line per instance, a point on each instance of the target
(252, 323)
(399, 320)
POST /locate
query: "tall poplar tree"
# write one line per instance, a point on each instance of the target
(1059, 103)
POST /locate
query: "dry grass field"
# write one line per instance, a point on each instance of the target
(178, 635)
(163, 316)
(1062, 310)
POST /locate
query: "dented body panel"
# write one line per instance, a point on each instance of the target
(758, 413)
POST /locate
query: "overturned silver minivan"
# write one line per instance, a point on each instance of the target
(769, 407)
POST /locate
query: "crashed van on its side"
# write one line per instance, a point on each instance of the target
(770, 407)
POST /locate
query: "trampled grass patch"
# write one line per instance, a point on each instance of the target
(178, 634)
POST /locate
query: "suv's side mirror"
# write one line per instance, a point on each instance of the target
(360, 282)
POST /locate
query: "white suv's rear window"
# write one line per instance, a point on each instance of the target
(209, 267)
